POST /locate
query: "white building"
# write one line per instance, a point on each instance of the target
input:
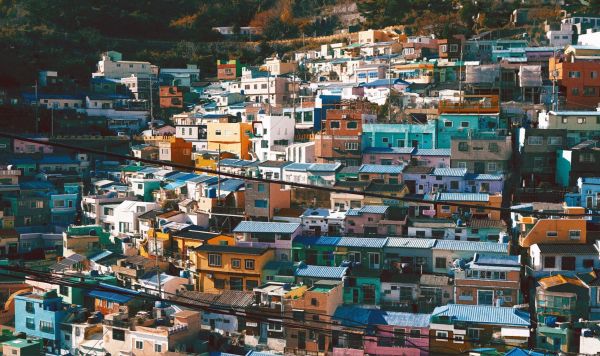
(180, 76)
(302, 152)
(562, 37)
(590, 38)
(124, 220)
(322, 221)
(272, 134)
(112, 65)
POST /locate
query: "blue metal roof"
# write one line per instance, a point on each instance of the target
(484, 314)
(297, 167)
(433, 152)
(231, 185)
(182, 176)
(374, 209)
(266, 227)
(450, 172)
(232, 162)
(478, 197)
(150, 278)
(320, 272)
(357, 316)
(101, 255)
(173, 185)
(381, 169)
(316, 240)
(520, 352)
(385, 83)
(474, 176)
(353, 212)
(324, 167)
(118, 294)
(474, 246)
(410, 242)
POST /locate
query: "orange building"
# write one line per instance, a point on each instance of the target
(479, 201)
(228, 70)
(171, 97)
(578, 76)
(232, 137)
(553, 231)
(175, 149)
(340, 138)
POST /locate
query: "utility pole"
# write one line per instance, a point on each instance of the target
(156, 263)
(151, 101)
(460, 67)
(554, 101)
(52, 122)
(389, 88)
(37, 104)
(219, 176)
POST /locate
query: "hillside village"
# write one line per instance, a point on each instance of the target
(382, 193)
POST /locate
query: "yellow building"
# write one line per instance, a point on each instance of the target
(230, 137)
(209, 159)
(225, 267)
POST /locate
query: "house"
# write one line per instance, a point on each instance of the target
(387, 193)
(482, 154)
(22, 347)
(489, 280)
(263, 200)
(271, 135)
(552, 230)
(364, 221)
(555, 257)
(175, 150)
(538, 153)
(434, 157)
(395, 332)
(229, 69)
(112, 66)
(41, 316)
(332, 251)
(110, 299)
(275, 235)
(559, 301)
(129, 269)
(321, 221)
(224, 267)
(124, 221)
(446, 252)
(314, 335)
(180, 77)
(575, 76)
(340, 139)
(577, 162)
(170, 97)
(403, 135)
(230, 137)
(459, 328)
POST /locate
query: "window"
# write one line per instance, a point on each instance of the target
(214, 259)
(274, 326)
(564, 120)
(555, 140)
(535, 140)
(251, 284)
(416, 333)
(445, 208)
(574, 74)
(261, 187)
(581, 120)
(464, 124)
(459, 339)
(574, 234)
(575, 91)
(64, 290)
(236, 263)
(462, 164)
(218, 132)
(249, 264)
(157, 348)
(493, 147)
(447, 123)
(492, 166)
(118, 334)
(314, 302)
(549, 262)
(473, 334)
(334, 124)
(236, 283)
(139, 344)
(219, 283)
(568, 263)
(385, 140)
(30, 323)
(352, 125)
(260, 203)
(463, 146)
(29, 307)
(551, 234)
(46, 326)
(441, 335)
(354, 256)
(589, 91)
(440, 262)
(587, 263)
(351, 146)
(593, 74)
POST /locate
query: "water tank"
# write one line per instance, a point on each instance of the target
(184, 274)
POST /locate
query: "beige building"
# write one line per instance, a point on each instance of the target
(373, 36)
(112, 65)
(570, 120)
(276, 66)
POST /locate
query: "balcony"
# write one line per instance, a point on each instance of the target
(471, 104)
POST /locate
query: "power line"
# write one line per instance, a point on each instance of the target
(295, 184)
(259, 316)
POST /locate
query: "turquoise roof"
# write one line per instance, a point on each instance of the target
(471, 246)
(266, 227)
(381, 169)
(320, 271)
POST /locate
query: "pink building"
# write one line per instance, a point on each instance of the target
(396, 333)
(29, 147)
(432, 157)
(364, 220)
(387, 155)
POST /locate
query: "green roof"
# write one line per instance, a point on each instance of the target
(132, 168)
(21, 343)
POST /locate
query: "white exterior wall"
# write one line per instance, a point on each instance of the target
(303, 152)
(277, 128)
(119, 69)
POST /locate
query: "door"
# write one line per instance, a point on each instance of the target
(374, 260)
(302, 340)
(479, 167)
(263, 333)
(321, 342)
(317, 230)
(355, 296)
(485, 297)
(212, 324)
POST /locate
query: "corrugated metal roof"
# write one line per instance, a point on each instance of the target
(374, 209)
(101, 255)
(398, 150)
(450, 172)
(364, 242)
(174, 185)
(297, 167)
(478, 197)
(266, 227)
(381, 169)
(410, 242)
(433, 152)
(353, 212)
(474, 246)
(320, 272)
(324, 167)
(484, 314)
(473, 176)
(316, 241)
(357, 316)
